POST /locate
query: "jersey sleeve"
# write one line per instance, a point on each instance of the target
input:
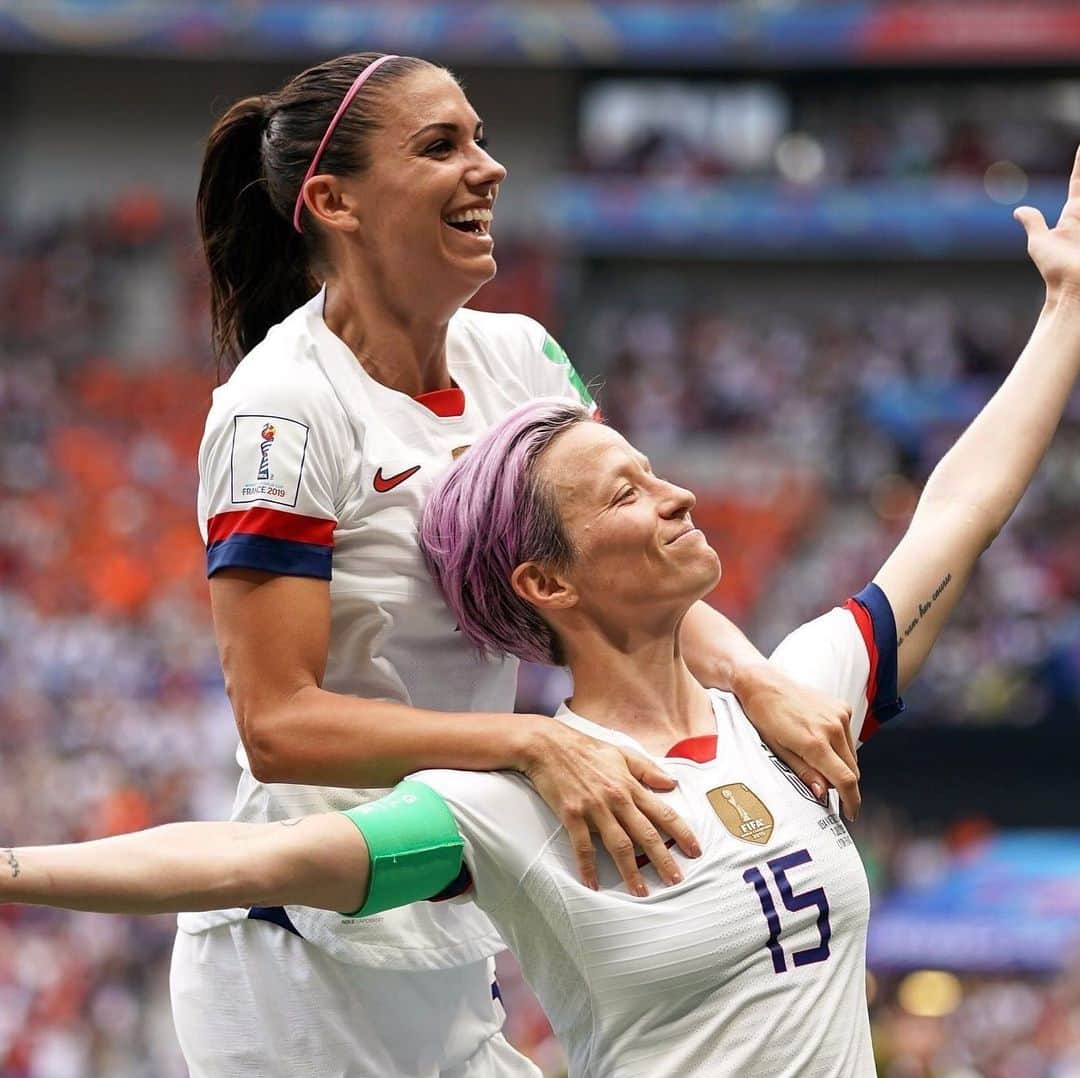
(268, 473)
(551, 373)
(850, 652)
(505, 826)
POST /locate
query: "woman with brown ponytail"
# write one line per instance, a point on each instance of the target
(346, 219)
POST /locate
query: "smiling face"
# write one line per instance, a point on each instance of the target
(639, 560)
(423, 208)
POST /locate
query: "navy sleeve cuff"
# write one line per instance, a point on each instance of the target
(882, 691)
(284, 557)
(459, 886)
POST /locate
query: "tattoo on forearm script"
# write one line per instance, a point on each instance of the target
(13, 862)
(924, 609)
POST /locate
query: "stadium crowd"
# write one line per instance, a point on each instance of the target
(112, 713)
(810, 132)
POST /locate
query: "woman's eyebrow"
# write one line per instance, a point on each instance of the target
(445, 126)
(615, 466)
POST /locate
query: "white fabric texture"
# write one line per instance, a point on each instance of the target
(251, 1000)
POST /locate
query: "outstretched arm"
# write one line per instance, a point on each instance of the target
(319, 861)
(978, 483)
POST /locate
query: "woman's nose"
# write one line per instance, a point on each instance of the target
(679, 499)
(487, 172)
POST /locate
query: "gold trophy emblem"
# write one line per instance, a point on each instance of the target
(742, 812)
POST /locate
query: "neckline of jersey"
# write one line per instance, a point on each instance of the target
(445, 404)
(699, 749)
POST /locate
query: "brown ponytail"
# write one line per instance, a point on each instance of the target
(258, 265)
(261, 268)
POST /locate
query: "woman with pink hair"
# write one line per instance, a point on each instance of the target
(553, 540)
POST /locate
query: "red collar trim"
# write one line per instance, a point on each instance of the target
(700, 749)
(445, 403)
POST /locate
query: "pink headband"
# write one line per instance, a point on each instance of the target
(345, 102)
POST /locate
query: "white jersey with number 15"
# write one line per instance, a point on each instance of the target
(755, 963)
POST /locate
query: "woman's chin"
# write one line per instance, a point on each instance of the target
(711, 574)
(470, 276)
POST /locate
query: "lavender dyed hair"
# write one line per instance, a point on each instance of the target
(488, 515)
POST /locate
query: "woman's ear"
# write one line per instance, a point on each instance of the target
(332, 205)
(543, 587)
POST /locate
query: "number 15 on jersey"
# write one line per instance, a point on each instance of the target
(793, 902)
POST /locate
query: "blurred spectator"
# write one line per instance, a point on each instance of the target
(814, 132)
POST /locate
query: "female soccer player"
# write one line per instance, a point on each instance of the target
(346, 219)
(553, 539)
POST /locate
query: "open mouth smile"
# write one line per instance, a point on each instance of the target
(471, 222)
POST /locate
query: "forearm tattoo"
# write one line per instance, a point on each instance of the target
(13, 862)
(924, 609)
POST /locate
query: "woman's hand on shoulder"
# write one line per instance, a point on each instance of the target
(593, 786)
(808, 729)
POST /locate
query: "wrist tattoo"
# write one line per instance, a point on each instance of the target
(13, 862)
(291, 823)
(924, 609)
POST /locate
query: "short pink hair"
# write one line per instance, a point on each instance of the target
(488, 515)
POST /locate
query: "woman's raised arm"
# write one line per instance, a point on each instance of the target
(978, 483)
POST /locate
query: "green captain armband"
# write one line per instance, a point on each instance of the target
(414, 845)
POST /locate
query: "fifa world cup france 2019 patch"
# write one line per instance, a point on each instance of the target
(267, 458)
(742, 812)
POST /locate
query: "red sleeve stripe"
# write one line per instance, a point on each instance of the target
(866, 629)
(271, 524)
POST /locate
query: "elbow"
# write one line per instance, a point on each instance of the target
(264, 743)
(263, 873)
(268, 754)
(986, 525)
(989, 535)
(253, 870)
(978, 523)
(263, 761)
(267, 726)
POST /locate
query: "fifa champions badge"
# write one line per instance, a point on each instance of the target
(742, 812)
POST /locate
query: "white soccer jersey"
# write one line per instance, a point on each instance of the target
(309, 467)
(755, 963)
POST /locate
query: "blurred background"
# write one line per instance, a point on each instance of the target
(776, 236)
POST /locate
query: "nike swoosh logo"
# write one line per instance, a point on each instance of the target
(642, 859)
(383, 484)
